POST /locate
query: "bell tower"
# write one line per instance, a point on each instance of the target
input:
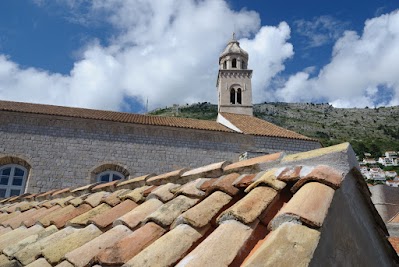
(234, 80)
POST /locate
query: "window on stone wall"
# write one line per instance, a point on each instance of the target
(239, 96)
(12, 180)
(234, 63)
(225, 65)
(109, 176)
(232, 96)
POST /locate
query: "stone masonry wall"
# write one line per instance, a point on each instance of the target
(64, 152)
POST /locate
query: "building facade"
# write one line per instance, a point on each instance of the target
(45, 147)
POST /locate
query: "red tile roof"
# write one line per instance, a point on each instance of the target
(250, 217)
(255, 126)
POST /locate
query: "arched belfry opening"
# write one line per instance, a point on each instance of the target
(234, 80)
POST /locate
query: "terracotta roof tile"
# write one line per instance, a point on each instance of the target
(131, 245)
(209, 171)
(251, 206)
(109, 187)
(138, 214)
(95, 199)
(56, 251)
(114, 198)
(290, 174)
(221, 247)
(38, 215)
(191, 189)
(290, 245)
(8, 216)
(316, 153)
(201, 214)
(225, 184)
(39, 263)
(170, 177)
(136, 194)
(252, 125)
(112, 116)
(82, 190)
(4, 261)
(134, 182)
(322, 174)
(65, 264)
(17, 235)
(4, 230)
(12, 249)
(267, 178)
(168, 249)
(244, 180)
(63, 218)
(31, 252)
(46, 195)
(84, 218)
(394, 242)
(163, 192)
(83, 256)
(253, 165)
(17, 220)
(309, 205)
(169, 211)
(107, 218)
(61, 193)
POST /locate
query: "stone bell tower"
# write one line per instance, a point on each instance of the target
(234, 80)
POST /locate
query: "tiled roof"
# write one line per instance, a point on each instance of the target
(266, 211)
(255, 126)
(112, 116)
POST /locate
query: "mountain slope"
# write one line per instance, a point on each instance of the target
(372, 130)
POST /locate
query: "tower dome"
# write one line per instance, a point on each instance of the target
(234, 80)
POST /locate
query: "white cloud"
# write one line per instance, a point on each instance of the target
(363, 70)
(166, 51)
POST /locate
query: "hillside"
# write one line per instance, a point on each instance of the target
(371, 130)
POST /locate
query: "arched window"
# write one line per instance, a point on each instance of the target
(239, 96)
(232, 96)
(234, 63)
(12, 180)
(225, 65)
(109, 176)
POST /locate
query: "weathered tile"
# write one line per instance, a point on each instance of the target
(78, 200)
(114, 198)
(252, 165)
(170, 177)
(31, 252)
(268, 178)
(45, 195)
(136, 194)
(168, 249)
(225, 184)
(209, 171)
(107, 218)
(17, 235)
(251, 206)
(134, 182)
(55, 251)
(62, 218)
(95, 199)
(4, 230)
(109, 187)
(169, 211)
(62, 193)
(86, 189)
(84, 218)
(138, 214)
(316, 153)
(289, 174)
(290, 245)
(206, 184)
(61, 201)
(244, 180)
(322, 174)
(12, 249)
(191, 189)
(131, 245)
(201, 214)
(39, 263)
(221, 247)
(7, 216)
(25, 205)
(16, 221)
(163, 192)
(309, 205)
(65, 264)
(84, 255)
(5, 262)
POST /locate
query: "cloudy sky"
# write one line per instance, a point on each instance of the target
(117, 54)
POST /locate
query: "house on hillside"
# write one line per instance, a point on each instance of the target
(48, 147)
(390, 159)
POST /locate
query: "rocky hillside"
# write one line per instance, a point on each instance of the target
(371, 130)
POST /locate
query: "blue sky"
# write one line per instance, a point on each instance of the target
(116, 54)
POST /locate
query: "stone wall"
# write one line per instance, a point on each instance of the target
(65, 152)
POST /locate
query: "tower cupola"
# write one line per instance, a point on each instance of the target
(234, 80)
